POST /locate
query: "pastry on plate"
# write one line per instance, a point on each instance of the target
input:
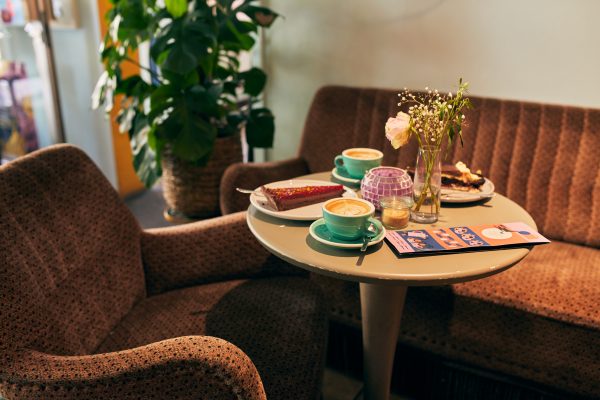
(458, 177)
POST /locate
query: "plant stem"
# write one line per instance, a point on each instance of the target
(429, 157)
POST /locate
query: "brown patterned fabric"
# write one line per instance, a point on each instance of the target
(253, 175)
(193, 254)
(282, 349)
(60, 224)
(539, 320)
(193, 367)
(560, 281)
(75, 319)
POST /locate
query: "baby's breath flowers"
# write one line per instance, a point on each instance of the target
(431, 117)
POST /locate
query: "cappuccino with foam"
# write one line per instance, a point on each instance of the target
(348, 207)
(362, 154)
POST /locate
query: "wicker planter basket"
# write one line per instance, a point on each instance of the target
(193, 191)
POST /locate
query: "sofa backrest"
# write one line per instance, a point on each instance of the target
(544, 157)
(70, 263)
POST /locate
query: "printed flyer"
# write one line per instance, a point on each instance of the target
(463, 238)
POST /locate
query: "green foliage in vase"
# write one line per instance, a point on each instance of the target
(198, 92)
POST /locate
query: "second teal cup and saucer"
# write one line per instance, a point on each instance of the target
(345, 222)
(354, 163)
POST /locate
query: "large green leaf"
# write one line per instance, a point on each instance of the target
(146, 161)
(132, 86)
(233, 39)
(133, 22)
(260, 128)
(187, 44)
(190, 134)
(254, 81)
(180, 60)
(260, 15)
(195, 139)
(245, 26)
(160, 42)
(176, 7)
(203, 101)
(162, 94)
(133, 14)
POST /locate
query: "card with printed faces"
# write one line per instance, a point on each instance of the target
(464, 238)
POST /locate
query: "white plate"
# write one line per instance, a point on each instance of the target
(457, 196)
(306, 213)
(344, 178)
(320, 233)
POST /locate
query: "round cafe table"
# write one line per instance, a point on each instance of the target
(384, 277)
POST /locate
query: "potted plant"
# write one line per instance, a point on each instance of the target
(184, 122)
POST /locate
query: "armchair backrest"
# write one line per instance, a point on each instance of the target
(70, 263)
(544, 157)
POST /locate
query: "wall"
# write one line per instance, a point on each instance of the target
(538, 50)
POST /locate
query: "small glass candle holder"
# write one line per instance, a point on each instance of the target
(395, 211)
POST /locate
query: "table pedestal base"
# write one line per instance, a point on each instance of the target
(381, 307)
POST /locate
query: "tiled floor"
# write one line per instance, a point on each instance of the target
(148, 208)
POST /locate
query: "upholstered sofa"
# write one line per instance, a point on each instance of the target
(534, 329)
(93, 307)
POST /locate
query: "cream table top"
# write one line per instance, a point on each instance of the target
(291, 241)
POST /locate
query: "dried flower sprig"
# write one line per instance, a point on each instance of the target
(431, 117)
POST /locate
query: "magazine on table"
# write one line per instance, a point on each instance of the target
(463, 238)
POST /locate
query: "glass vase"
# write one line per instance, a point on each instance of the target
(427, 185)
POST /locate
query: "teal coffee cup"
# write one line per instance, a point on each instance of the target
(347, 218)
(357, 161)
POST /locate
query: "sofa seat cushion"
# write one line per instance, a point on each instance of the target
(538, 320)
(280, 323)
(558, 281)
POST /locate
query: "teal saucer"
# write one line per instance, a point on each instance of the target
(343, 176)
(318, 230)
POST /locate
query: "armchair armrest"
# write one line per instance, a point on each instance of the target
(252, 175)
(189, 367)
(206, 251)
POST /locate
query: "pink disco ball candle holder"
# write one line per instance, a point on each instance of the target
(382, 182)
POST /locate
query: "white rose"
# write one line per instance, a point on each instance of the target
(397, 129)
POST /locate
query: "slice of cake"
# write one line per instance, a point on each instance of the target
(283, 199)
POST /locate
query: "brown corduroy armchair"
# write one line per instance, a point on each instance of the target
(92, 307)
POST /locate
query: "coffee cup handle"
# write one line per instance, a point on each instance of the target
(339, 163)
